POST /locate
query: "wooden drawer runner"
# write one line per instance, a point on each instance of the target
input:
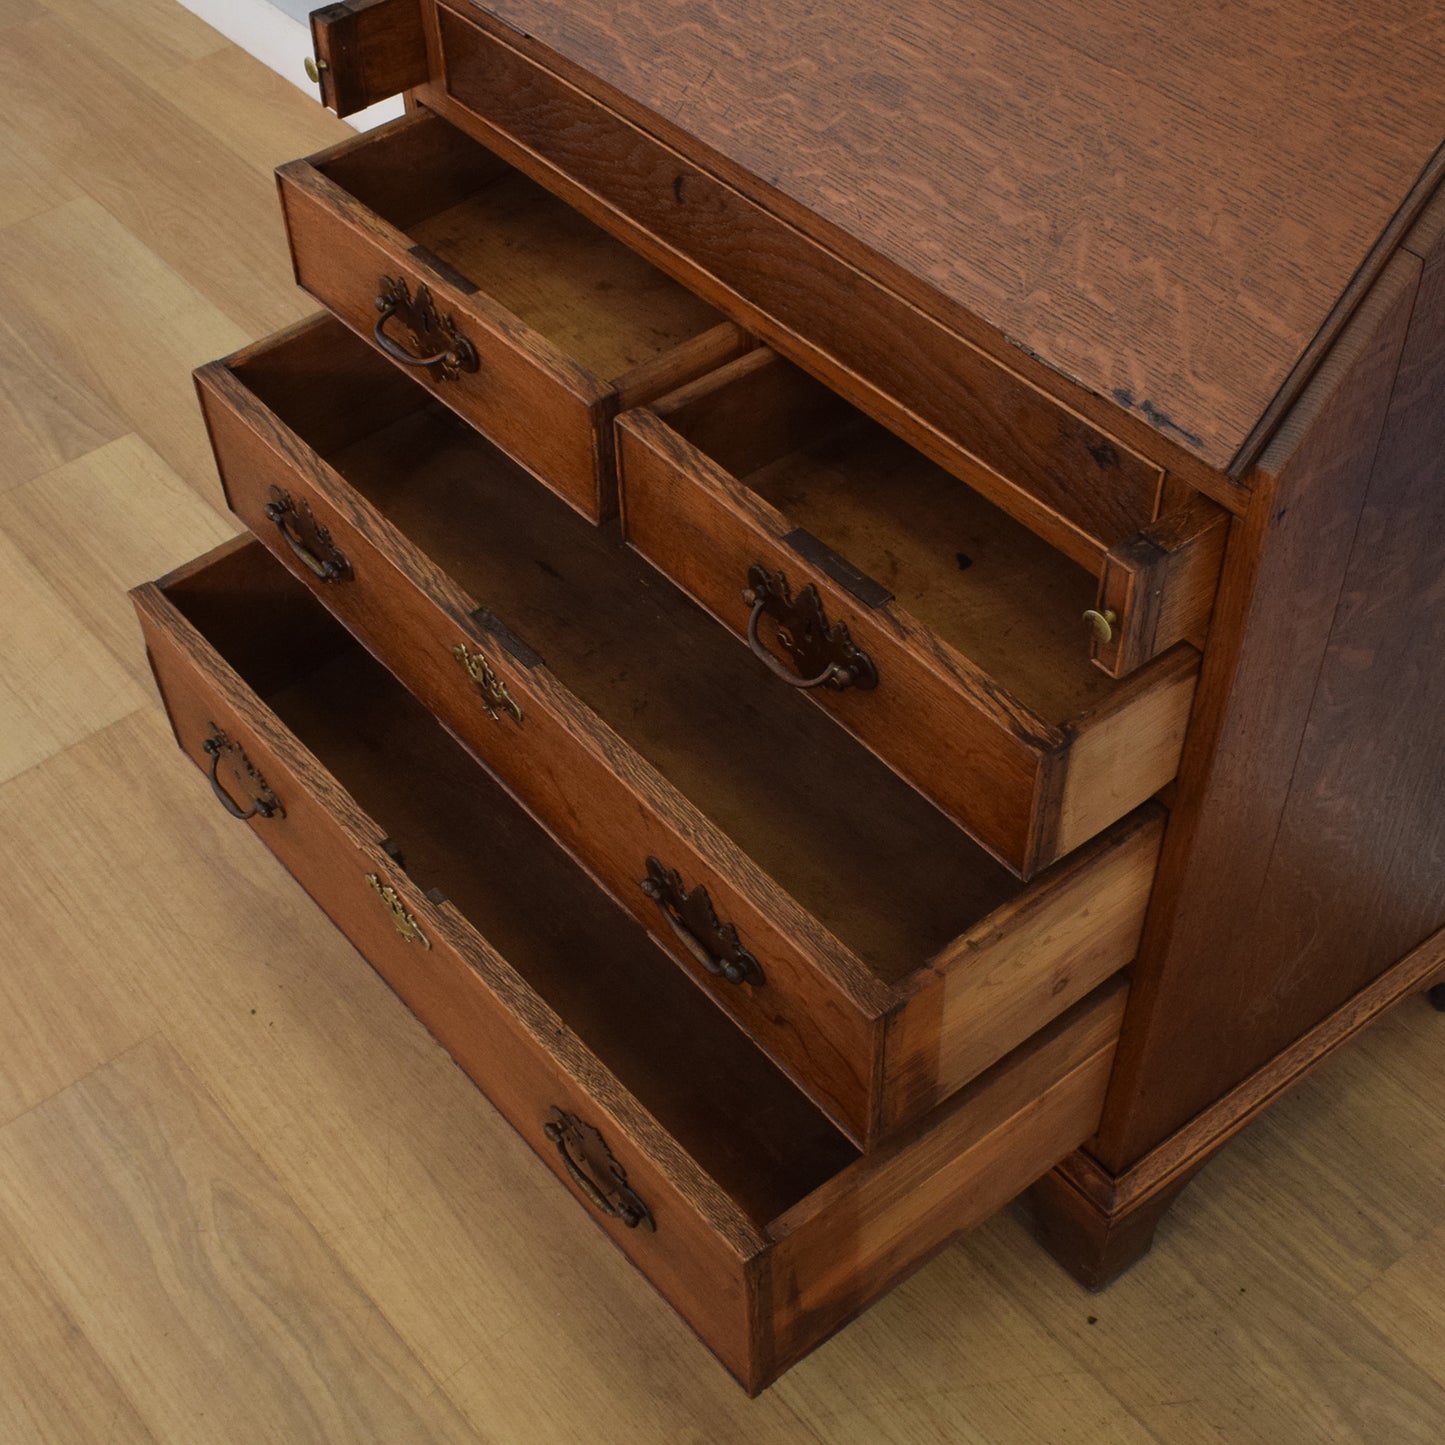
(514, 309)
(1086, 492)
(895, 960)
(968, 672)
(732, 1194)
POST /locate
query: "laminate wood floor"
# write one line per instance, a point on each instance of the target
(243, 1196)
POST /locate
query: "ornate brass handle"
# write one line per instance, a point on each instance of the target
(401, 917)
(309, 541)
(694, 923)
(450, 352)
(822, 652)
(264, 803)
(581, 1149)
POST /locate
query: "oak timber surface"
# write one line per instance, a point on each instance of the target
(176, 1015)
(1162, 201)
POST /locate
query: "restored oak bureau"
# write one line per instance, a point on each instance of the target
(849, 601)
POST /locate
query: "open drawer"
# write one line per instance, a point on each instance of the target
(930, 624)
(873, 950)
(518, 312)
(1089, 493)
(715, 1176)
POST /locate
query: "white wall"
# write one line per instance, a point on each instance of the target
(276, 33)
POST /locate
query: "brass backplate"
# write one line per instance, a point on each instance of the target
(823, 652)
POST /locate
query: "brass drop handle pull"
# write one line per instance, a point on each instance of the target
(401, 917)
(264, 803)
(450, 353)
(309, 541)
(694, 923)
(823, 653)
(581, 1150)
(395, 349)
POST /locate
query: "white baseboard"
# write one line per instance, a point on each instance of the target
(280, 42)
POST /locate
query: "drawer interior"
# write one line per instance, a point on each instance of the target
(981, 581)
(744, 1122)
(501, 233)
(886, 872)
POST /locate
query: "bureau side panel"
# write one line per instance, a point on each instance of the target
(1357, 877)
(1213, 999)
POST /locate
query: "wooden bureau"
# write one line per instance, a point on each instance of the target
(847, 606)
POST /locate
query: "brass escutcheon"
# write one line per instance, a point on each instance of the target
(495, 697)
(401, 919)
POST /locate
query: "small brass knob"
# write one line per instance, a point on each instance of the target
(1101, 624)
(314, 68)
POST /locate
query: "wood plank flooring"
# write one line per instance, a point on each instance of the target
(244, 1198)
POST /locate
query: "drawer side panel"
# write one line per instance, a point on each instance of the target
(876, 1222)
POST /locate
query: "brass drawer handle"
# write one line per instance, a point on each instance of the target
(401, 918)
(823, 653)
(495, 697)
(584, 1154)
(695, 924)
(451, 352)
(309, 541)
(264, 803)
(1101, 624)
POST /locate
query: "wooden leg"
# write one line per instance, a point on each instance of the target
(1097, 1223)
(1095, 1245)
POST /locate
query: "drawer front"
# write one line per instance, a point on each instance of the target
(1028, 790)
(817, 1013)
(522, 1057)
(547, 413)
(1078, 487)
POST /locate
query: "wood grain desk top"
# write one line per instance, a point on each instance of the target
(1174, 204)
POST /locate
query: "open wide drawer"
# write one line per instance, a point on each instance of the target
(876, 953)
(519, 313)
(736, 1197)
(928, 622)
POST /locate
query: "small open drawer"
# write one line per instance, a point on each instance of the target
(716, 1177)
(516, 311)
(935, 628)
(880, 956)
